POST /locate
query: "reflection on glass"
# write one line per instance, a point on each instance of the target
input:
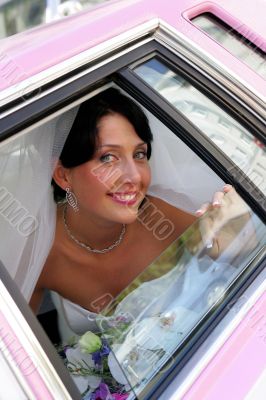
(148, 322)
(233, 139)
(19, 15)
(237, 44)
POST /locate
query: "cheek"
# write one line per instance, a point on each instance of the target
(96, 184)
(86, 182)
(106, 175)
(148, 175)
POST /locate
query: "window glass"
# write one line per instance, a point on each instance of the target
(170, 297)
(19, 15)
(148, 323)
(237, 44)
(232, 138)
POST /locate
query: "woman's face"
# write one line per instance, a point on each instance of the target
(112, 185)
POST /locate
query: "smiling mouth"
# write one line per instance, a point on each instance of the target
(124, 198)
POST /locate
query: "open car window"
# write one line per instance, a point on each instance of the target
(173, 298)
(155, 319)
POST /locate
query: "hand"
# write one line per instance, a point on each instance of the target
(227, 216)
(216, 201)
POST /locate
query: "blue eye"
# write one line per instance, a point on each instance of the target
(106, 158)
(140, 155)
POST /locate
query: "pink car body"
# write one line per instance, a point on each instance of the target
(231, 363)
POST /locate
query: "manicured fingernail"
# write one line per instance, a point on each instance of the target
(216, 203)
(199, 212)
(209, 243)
(227, 186)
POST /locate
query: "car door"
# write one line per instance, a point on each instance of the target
(203, 111)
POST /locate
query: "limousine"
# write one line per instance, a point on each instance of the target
(194, 327)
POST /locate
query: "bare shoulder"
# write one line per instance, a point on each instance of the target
(43, 283)
(48, 271)
(180, 218)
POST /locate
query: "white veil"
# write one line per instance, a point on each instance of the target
(27, 209)
(179, 176)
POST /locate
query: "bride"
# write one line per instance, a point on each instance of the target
(108, 229)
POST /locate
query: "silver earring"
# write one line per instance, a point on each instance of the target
(72, 200)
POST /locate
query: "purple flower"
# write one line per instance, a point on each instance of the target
(119, 396)
(99, 354)
(121, 318)
(102, 393)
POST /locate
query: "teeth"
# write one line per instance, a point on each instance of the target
(125, 197)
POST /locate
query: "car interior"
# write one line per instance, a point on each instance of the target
(26, 164)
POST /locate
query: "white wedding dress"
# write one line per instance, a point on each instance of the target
(73, 320)
(147, 299)
(150, 298)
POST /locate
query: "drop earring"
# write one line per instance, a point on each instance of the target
(72, 200)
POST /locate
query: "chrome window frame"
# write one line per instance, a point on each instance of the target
(34, 342)
(163, 33)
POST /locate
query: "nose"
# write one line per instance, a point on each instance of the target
(131, 172)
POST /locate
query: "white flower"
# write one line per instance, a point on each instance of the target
(116, 370)
(81, 382)
(89, 342)
(75, 356)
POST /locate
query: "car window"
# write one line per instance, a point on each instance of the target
(185, 268)
(148, 324)
(241, 47)
(237, 142)
(19, 15)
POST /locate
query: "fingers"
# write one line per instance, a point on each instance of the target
(219, 196)
(227, 188)
(202, 210)
(207, 233)
(216, 203)
(217, 199)
(207, 225)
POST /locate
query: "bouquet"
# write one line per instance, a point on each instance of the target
(139, 347)
(94, 368)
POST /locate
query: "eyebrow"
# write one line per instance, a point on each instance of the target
(118, 145)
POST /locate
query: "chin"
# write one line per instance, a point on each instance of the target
(128, 218)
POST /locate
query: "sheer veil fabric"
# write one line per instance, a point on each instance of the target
(179, 176)
(27, 208)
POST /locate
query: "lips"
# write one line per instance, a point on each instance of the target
(128, 198)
